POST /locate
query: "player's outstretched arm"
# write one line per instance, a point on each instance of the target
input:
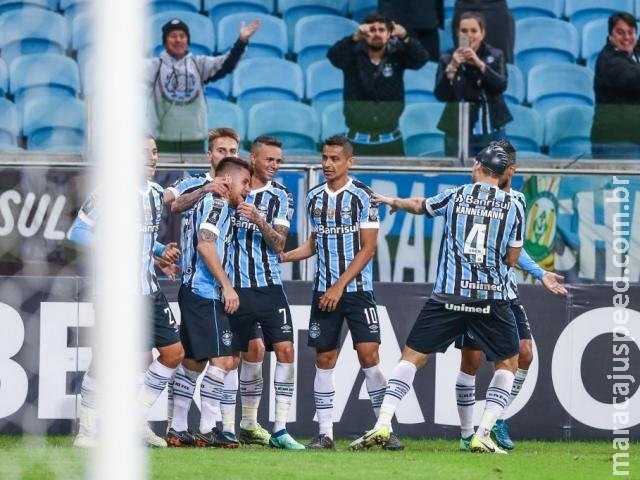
(304, 251)
(413, 205)
(551, 282)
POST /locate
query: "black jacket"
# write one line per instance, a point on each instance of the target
(480, 90)
(413, 14)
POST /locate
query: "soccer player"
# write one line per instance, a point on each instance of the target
(206, 298)
(260, 228)
(483, 237)
(472, 356)
(164, 327)
(344, 231)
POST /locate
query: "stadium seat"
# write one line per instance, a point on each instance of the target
(515, 92)
(44, 74)
(332, 120)
(73, 8)
(316, 33)
(294, 10)
(222, 113)
(218, 9)
(358, 9)
(157, 6)
(9, 125)
(418, 124)
(8, 5)
(594, 38)
(259, 79)
(323, 84)
(4, 78)
(536, 8)
(579, 12)
(526, 131)
(220, 89)
(82, 36)
(419, 84)
(553, 84)
(294, 123)
(449, 7)
(542, 40)
(269, 41)
(567, 131)
(32, 30)
(55, 123)
(203, 40)
(446, 37)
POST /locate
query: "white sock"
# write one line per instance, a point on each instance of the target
(228, 401)
(250, 392)
(283, 382)
(376, 386)
(466, 399)
(87, 413)
(496, 399)
(324, 391)
(211, 391)
(156, 378)
(184, 386)
(398, 386)
(515, 390)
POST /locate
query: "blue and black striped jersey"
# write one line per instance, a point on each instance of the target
(255, 264)
(512, 284)
(189, 184)
(336, 218)
(481, 222)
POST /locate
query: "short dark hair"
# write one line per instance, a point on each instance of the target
(228, 164)
(508, 148)
(626, 17)
(265, 140)
(377, 17)
(477, 16)
(339, 141)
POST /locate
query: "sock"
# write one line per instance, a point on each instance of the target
(324, 391)
(283, 381)
(184, 386)
(87, 416)
(170, 400)
(376, 386)
(515, 390)
(466, 399)
(211, 390)
(496, 399)
(228, 401)
(250, 392)
(156, 378)
(399, 384)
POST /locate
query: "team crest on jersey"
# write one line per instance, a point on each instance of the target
(331, 213)
(316, 212)
(227, 337)
(314, 330)
(217, 203)
(262, 211)
(213, 217)
(345, 212)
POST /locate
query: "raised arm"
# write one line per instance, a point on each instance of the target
(413, 205)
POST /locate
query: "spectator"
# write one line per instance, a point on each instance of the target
(177, 107)
(616, 124)
(476, 74)
(421, 18)
(501, 29)
(373, 61)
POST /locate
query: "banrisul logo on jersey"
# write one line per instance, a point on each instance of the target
(542, 217)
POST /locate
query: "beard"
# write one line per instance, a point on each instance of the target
(375, 48)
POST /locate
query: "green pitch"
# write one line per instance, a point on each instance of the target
(44, 458)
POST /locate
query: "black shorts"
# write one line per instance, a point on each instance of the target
(165, 327)
(204, 330)
(490, 322)
(264, 312)
(357, 308)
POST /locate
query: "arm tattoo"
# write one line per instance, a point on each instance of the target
(206, 236)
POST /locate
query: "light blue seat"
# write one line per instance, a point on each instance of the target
(9, 125)
(542, 40)
(419, 84)
(294, 10)
(323, 84)
(222, 113)
(567, 131)
(55, 123)
(157, 6)
(8, 5)
(419, 127)
(73, 8)
(554, 84)
(449, 7)
(260, 79)
(269, 41)
(516, 87)
(314, 35)
(203, 39)
(446, 37)
(580, 12)
(361, 8)
(220, 89)
(594, 38)
(297, 125)
(526, 131)
(332, 121)
(218, 9)
(32, 30)
(82, 31)
(4, 78)
(536, 8)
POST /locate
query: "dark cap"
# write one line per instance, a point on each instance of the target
(493, 158)
(174, 24)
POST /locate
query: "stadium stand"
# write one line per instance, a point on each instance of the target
(358, 9)
(157, 6)
(580, 12)
(323, 84)
(8, 5)
(419, 127)
(218, 9)
(567, 131)
(203, 39)
(222, 113)
(220, 89)
(536, 8)
(594, 38)
(419, 84)
(553, 84)
(82, 37)
(269, 41)
(526, 131)
(55, 124)
(4, 78)
(332, 120)
(294, 10)
(9, 126)
(516, 87)
(314, 35)
(72, 8)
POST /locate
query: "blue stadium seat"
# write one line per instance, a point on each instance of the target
(542, 40)
(203, 39)
(8, 5)
(259, 79)
(554, 84)
(9, 125)
(294, 123)
(332, 121)
(579, 12)
(157, 6)
(44, 74)
(82, 36)
(222, 113)
(419, 127)
(419, 84)
(536, 8)
(567, 131)
(446, 37)
(32, 30)
(4, 78)
(294, 10)
(526, 130)
(515, 92)
(316, 33)
(73, 8)
(269, 41)
(594, 38)
(218, 9)
(220, 89)
(449, 7)
(323, 84)
(55, 124)
(361, 8)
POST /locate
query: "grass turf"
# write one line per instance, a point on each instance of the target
(41, 458)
